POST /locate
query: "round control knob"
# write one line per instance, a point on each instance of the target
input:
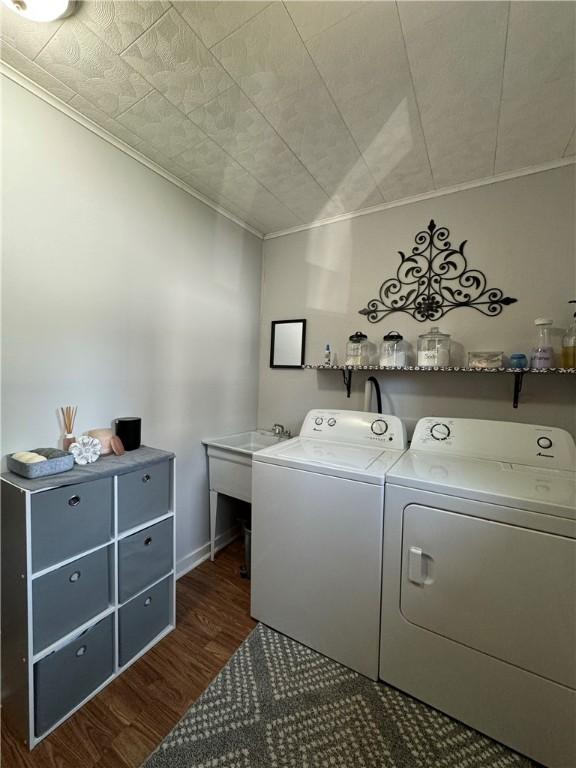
(379, 427)
(440, 431)
(318, 420)
(331, 422)
(544, 442)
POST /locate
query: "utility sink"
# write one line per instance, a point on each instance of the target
(230, 468)
(245, 443)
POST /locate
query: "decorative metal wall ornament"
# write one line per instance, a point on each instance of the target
(433, 280)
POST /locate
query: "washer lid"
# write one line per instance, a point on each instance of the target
(549, 491)
(353, 462)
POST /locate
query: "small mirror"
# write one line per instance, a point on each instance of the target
(287, 344)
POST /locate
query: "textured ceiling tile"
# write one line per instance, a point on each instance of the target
(315, 132)
(267, 58)
(233, 122)
(81, 60)
(168, 163)
(315, 16)
(538, 99)
(211, 166)
(105, 121)
(541, 46)
(456, 54)
(242, 131)
(26, 36)
(213, 21)
(159, 123)
(223, 202)
(390, 138)
(119, 23)
(543, 132)
(571, 147)
(209, 163)
(176, 62)
(35, 73)
(375, 97)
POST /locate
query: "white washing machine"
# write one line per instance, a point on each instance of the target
(479, 580)
(317, 519)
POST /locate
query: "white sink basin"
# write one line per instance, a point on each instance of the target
(230, 468)
(245, 443)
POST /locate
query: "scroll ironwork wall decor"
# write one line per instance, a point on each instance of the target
(433, 280)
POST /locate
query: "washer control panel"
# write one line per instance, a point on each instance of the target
(355, 427)
(498, 440)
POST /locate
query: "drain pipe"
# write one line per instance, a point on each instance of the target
(371, 381)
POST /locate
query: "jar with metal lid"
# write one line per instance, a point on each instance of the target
(393, 350)
(434, 348)
(358, 349)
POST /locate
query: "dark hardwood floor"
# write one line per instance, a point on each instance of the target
(129, 718)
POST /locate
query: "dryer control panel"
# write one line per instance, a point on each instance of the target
(357, 427)
(506, 441)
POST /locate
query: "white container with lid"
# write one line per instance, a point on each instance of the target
(434, 349)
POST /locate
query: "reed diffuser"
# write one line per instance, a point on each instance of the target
(68, 417)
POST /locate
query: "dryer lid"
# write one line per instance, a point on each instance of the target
(548, 491)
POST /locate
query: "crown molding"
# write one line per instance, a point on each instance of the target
(62, 106)
(427, 196)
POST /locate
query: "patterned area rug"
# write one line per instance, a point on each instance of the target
(277, 704)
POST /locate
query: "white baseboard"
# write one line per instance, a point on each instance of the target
(197, 556)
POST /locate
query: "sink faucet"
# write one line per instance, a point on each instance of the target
(280, 431)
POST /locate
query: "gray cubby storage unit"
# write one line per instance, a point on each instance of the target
(87, 582)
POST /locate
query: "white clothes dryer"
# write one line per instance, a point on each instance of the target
(317, 519)
(479, 580)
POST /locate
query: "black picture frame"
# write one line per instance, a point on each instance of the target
(275, 323)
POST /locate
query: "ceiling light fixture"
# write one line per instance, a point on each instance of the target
(41, 10)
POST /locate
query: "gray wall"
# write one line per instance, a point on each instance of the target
(520, 234)
(121, 294)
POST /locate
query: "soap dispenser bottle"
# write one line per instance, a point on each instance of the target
(569, 344)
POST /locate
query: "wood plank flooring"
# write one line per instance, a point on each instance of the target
(128, 719)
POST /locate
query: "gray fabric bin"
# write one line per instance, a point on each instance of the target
(143, 495)
(70, 596)
(52, 466)
(144, 557)
(70, 520)
(143, 618)
(66, 677)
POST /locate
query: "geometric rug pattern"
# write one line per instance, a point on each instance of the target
(277, 704)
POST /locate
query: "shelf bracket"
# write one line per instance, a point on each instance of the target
(347, 376)
(518, 381)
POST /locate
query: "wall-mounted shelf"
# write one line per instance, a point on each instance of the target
(518, 373)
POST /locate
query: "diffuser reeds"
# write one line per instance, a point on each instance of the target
(68, 417)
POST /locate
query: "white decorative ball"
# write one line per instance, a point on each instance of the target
(86, 450)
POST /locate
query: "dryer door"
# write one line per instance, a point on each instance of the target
(503, 590)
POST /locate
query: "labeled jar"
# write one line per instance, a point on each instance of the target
(543, 352)
(358, 349)
(434, 349)
(569, 344)
(393, 351)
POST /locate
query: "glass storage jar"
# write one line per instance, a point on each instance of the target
(358, 349)
(569, 344)
(434, 348)
(543, 352)
(393, 350)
